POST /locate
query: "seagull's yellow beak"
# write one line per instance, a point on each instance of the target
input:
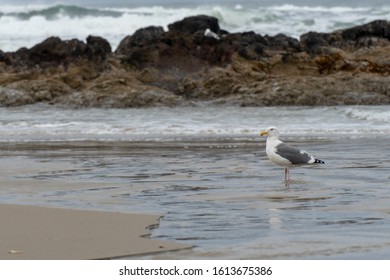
(262, 133)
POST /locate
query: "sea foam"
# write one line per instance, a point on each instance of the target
(25, 26)
(48, 123)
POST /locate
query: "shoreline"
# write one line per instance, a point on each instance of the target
(35, 232)
(227, 203)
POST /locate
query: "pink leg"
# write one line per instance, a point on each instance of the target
(287, 177)
(287, 174)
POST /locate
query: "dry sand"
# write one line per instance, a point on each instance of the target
(31, 232)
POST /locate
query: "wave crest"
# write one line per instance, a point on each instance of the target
(37, 22)
(372, 114)
(54, 12)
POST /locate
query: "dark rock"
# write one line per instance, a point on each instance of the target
(143, 37)
(249, 38)
(22, 51)
(376, 33)
(313, 42)
(378, 28)
(146, 36)
(54, 51)
(252, 46)
(143, 57)
(141, 49)
(124, 46)
(5, 58)
(152, 47)
(247, 44)
(190, 25)
(282, 42)
(98, 48)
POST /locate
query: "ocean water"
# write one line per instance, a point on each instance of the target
(26, 23)
(47, 123)
(207, 174)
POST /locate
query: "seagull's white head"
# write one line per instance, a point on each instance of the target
(272, 131)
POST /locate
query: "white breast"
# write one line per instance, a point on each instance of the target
(273, 156)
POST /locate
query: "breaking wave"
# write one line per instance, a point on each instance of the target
(34, 23)
(375, 114)
(48, 123)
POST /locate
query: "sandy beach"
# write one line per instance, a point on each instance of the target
(34, 232)
(31, 232)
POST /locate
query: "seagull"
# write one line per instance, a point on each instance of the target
(209, 33)
(285, 155)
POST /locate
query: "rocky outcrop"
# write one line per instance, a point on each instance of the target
(373, 34)
(191, 25)
(184, 65)
(54, 52)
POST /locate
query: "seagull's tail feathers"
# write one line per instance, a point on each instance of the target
(316, 160)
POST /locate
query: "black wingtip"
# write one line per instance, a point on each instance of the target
(319, 161)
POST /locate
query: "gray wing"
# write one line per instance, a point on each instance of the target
(294, 155)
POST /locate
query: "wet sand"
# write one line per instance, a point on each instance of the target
(35, 232)
(31, 232)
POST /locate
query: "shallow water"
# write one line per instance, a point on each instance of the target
(221, 194)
